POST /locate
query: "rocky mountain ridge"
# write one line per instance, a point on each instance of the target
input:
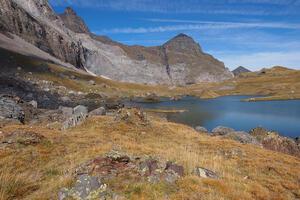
(179, 61)
(239, 70)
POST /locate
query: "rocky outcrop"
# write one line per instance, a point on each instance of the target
(37, 23)
(222, 130)
(73, 21)
(273, 141)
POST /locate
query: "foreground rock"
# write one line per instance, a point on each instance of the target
(132, 116)
(201, 129)
(222, 130)
(205, 173)
(98, 112)
(273, 141)
(10, 108)
(86, 187)
(242, 137)
(116, 164)
(20, 137)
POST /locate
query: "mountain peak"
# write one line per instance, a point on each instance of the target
(183, 43)
(74, 22)
(240, 70)
(69, 11)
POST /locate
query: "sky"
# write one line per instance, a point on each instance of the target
(250, 33)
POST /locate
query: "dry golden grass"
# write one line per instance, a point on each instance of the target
(37, 172)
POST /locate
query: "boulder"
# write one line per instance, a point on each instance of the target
(201, 129)
(66, 111)
(273, 141)
(10, 108)
(73, 121)
(86, 187)
(21, 137)
(33, 103)
(98, 112)
(242, 137)
(80, 110)
(222, 130)
(205, 173)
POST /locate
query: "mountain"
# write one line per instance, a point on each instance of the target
(240, 70)
(66, 37)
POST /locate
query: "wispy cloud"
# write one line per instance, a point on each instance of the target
(199, 25)
(233, 7)
(258, 60)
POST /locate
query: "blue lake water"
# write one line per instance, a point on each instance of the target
(230, 111)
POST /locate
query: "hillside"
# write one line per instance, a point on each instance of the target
(66, 37)
(240, 70)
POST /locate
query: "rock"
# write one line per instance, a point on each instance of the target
(205, 173)
(91, 82)
(33, 103)
(86, 187)
(10, 108)
(19, 68)
(242, 137)
(73, 121)
(114, 106)
(201, 129)
(175, 168)
(21, 137)
(132, 116)
(116, 164)
(221, 130)
(273, 141)
(98, 112)
(66, 99)
(66, 111)
(80, 110)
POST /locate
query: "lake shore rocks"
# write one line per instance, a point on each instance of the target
(273, 141)
(221, 130)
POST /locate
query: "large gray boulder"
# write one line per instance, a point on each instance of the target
(80, 110)
(86, 187)
(98, 112)
(242, 137)
(222, 130)
(201, 129)
(205, 173)
(10, 109)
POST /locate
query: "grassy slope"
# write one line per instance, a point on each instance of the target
(37, 172)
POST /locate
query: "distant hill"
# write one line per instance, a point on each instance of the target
(240, 70)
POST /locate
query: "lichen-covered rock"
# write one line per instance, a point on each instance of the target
(205, 173)
(98, 112)
(201, 129)
(242, 137)
(221, 130)
(74, 120)
(86, 188)
(273, 141)
(80, 110)
(10, 108)
(20, 137)
(132, 116)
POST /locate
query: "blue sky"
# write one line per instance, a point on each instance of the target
(251, 33)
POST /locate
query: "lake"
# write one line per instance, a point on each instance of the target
(230, 111)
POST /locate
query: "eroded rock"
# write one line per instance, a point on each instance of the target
(205, 173)
(222, 130)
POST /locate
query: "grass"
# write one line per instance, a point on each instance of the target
(271, 175)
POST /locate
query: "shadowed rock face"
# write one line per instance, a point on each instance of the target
(30, 20)
(74, 22)
(179, 61)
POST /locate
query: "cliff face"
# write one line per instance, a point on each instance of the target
(74, 22)
(180, 61)
(35, 22)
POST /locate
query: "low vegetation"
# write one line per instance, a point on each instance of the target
(39, 171)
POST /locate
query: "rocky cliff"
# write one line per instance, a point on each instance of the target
(179, 61)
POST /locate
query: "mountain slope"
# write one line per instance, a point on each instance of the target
(240, 70)
(180, 61)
